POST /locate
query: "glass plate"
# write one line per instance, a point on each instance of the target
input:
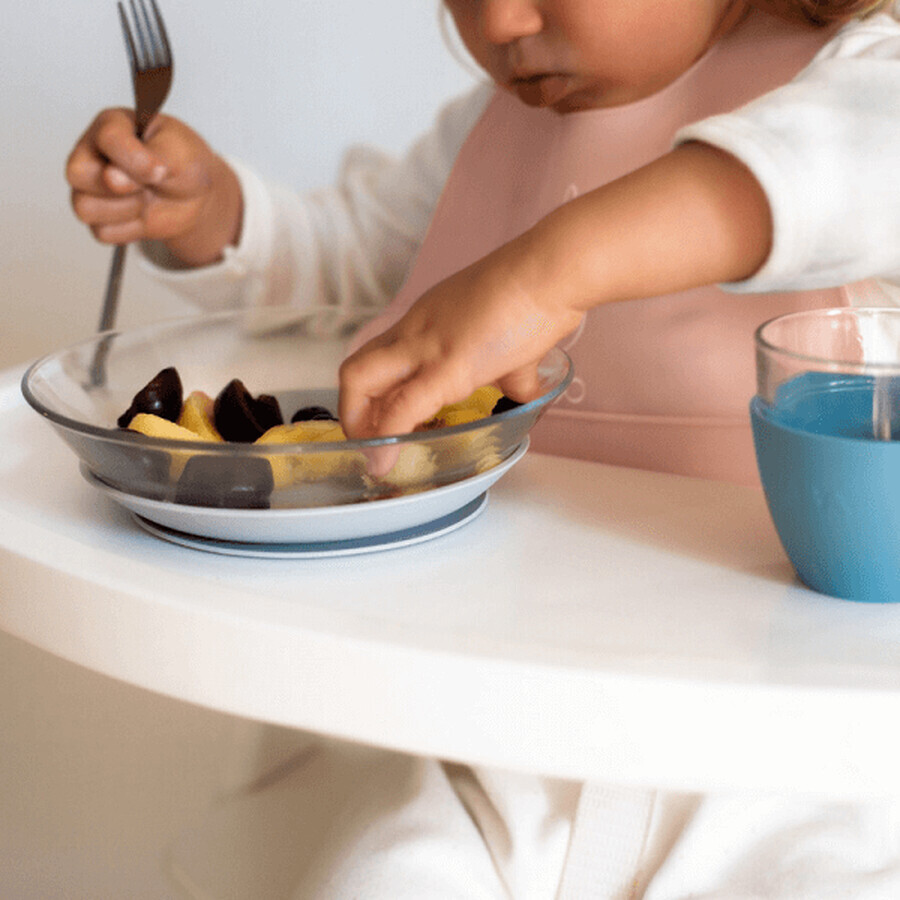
(316, 525)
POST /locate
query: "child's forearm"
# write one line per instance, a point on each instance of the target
(695, 216)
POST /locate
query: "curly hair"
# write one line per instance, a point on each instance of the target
(823, 12)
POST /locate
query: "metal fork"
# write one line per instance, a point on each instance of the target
(150, 57)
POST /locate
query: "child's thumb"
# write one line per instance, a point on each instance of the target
(522, 384)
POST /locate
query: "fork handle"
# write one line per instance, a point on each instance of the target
(113, 284)
(97, 371)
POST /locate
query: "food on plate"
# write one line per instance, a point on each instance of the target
(415, 466)
(478, 405)
(312, 414)
(161, 396)
(226, 482)
(241, 417)
(504, 404)
(304, 431)
(198, 415)
(156, 426)
(160, 410)
(477, 450)
(301, 467)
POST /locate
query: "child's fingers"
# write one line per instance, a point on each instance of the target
(113, 138)
(90, 174)
(111, 220)
(124, 233)
(98, 211)
(192, 181)
(110, 159)
(380, 460)
(398, 409)
(416, 400)
(84, 170)
(118, 182)
(523, 384)
(189, 162)
(364, 377)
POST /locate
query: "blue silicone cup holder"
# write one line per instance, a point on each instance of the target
(834, 498)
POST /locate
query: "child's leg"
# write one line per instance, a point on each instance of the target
(388, 827)
(344, 822)
(438, 831)
(526, 822)
(747, 846)
(784, 848)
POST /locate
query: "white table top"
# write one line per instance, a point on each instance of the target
(593, 622)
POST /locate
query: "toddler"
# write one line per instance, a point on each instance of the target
(643, 183)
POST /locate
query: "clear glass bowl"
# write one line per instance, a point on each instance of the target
(295, 360)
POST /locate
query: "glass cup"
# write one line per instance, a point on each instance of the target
(826, 428)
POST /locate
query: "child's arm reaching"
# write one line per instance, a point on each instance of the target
(695, 216)
(170, 188)
(819, 147)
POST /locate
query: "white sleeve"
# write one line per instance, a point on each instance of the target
(824, 149)
(346, 248)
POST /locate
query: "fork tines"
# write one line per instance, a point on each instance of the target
(151, 50)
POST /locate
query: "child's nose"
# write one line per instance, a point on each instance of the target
(503, 21)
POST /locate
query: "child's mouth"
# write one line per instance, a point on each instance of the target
(541, 89)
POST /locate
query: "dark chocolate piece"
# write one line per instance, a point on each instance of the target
(226, 482)
(268, 412)
(503, 404)
(238, 416)
(313, 414)
(161, 396)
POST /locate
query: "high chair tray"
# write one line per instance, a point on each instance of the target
(592, 622)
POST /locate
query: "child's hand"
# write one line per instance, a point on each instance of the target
(488, 324)
(493, 322)
(170, 188)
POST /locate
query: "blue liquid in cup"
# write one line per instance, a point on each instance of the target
(833, 490)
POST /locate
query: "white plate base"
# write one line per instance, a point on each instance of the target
(403, 538)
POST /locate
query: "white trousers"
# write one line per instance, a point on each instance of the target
(342, 822)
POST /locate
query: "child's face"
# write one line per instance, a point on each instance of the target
(582, 54)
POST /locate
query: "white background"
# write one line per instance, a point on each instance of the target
(96, 776)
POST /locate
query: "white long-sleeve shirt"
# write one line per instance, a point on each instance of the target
(823, 148)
